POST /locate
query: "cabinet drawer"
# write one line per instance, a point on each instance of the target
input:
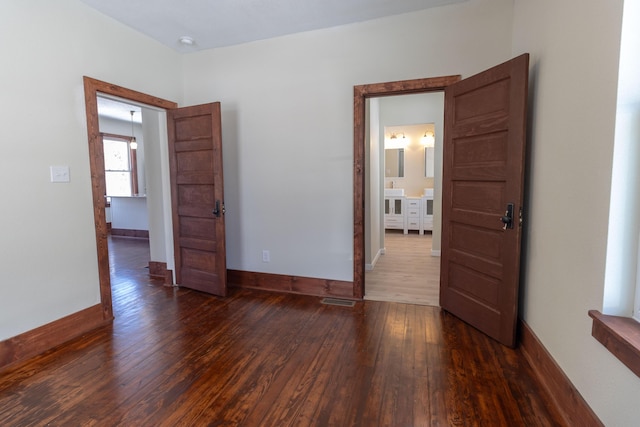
(427, 223)
(413, 212)
(413, 224)
(413, 204)
(393, 223)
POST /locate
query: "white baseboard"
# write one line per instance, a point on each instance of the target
(370, 267)
(435, 253)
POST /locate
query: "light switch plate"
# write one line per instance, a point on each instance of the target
(60, 174)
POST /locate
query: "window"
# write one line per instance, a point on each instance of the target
(618, 329)
(119, 166)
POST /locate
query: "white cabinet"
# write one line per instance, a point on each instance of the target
(394, 212)
(427, 212)
(413, 212)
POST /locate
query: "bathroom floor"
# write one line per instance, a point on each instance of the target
(407, 272)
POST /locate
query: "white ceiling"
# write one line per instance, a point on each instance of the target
(118, 110)
(218, 23)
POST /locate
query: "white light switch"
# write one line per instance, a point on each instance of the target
(60, 174)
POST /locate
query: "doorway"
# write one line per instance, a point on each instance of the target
(93, 89)
(402, 197)
(361, 94)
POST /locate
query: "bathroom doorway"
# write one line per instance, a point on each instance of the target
(402, 196)
(367, 200)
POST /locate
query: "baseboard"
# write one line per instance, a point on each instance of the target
(31, 343)
(569, 402)
(370, 267)
(130, 233)
(435, 252)
(290, 284)
(158, 270)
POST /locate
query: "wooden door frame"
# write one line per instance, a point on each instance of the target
(93, 88)
(360, 95)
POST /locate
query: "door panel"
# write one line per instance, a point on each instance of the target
(483, 171)
(195, 158)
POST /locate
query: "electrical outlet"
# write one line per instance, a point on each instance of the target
(266, 257)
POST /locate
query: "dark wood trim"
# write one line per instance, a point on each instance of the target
(568, 401)
(360, 94)
(92, 88)
(31, 343)
(158, 270)
(144, 234)
(620, 335)
(290, 284)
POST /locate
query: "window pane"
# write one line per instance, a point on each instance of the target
(116, 155)
(118, 183)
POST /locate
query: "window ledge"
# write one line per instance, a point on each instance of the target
(620, 335)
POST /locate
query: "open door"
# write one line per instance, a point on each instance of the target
(483, 177)
(195, 160)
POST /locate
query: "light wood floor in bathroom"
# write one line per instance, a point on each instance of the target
(407, 272)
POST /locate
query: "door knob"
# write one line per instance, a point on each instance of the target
(217, 210)
(507, 219)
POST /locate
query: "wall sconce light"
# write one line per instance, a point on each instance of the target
(428, 140)
(133, 143)
(396, 141)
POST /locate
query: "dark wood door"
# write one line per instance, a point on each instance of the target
(195, 159)
(483, 174)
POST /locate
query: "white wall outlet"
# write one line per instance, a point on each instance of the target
(266, 257)
(60, 174)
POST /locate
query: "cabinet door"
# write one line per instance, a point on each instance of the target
(397, 206)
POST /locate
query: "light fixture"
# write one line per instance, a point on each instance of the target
(186, 40)
(133, 143)
(428, 140)
(396, 141)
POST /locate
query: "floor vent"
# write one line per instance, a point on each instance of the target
(340, 302)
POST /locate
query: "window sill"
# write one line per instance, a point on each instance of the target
(620, 335)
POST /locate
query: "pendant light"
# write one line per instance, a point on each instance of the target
(133, 143)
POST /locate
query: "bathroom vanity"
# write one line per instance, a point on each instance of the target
(408, 213)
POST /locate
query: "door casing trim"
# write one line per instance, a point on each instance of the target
(92, 88)
(360, 95)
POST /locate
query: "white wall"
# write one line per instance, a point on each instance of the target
(574, 46)
(373, 217)
(48, 248)
(287, 117)
(158, 186)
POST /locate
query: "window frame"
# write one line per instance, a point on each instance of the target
(133, 162)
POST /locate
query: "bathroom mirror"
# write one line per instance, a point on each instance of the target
(394, 163)
(429, 162)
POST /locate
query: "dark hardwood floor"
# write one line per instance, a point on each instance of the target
(175, 357)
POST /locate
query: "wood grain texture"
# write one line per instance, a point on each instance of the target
(620, 335)
(290, 284)
(360, 94)
(125, 232)
(46, 337)
(483, 163)
(567, 399)
(197, 188)
(177, 357)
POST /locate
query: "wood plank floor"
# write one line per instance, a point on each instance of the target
(175, 357)
(407, 272)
